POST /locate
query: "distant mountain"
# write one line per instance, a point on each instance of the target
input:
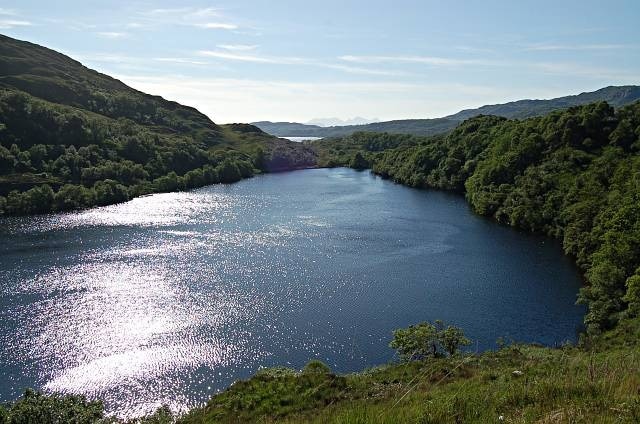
(614, 95)
(289, 129)
(404, 126)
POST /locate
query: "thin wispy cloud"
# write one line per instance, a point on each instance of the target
(206, 12)
(180, 60)
(205, 18)
(216, 25)
(185, 12)
(426, 60)
(116, 58)
(288, 60)
(10, 18)
(577, 47)
(363, 71)
(237, 47)
(73, 25)
(13, 23)
(112, 34)
(248, 58)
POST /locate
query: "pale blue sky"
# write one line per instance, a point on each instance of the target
(241, 61)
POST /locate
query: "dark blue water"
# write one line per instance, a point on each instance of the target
(170, 297)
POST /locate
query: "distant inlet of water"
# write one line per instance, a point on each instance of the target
(168, 298)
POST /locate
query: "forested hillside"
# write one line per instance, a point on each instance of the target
(574, 175)
(71, 137)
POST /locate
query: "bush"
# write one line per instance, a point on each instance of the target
(71, 197)
(38, 408)
(359, 162)
(316, 367)
(632, 297)
(229, 172)
(108, 192)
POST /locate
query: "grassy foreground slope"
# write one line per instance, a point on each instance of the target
(71, 137)
(598, 382)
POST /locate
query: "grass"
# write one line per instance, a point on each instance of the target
(596, 383)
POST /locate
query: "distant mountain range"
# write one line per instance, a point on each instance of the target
(615, 95)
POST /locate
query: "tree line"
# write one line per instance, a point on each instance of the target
(57, 158)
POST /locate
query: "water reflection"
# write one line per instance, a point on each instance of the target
(167, 298)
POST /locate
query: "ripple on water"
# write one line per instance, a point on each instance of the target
(170, 297)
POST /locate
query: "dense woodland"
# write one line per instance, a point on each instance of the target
(574, 175)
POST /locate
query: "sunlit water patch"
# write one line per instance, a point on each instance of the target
(171, 297)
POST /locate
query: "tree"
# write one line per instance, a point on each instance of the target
(40, 199)
(167, 183)
(632, 297)
(108, 192)
(7, 161)
(359, 162)
(195, 178)
(425, 340)
(316, 367)
(229, 172)
(452, 338)
(73, 197)
(416, 342)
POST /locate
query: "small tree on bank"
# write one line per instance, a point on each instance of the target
(416, 342)
(425, 340)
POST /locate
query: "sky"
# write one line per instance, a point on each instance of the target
(244, 61)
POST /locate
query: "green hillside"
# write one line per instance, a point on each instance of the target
(71, 137)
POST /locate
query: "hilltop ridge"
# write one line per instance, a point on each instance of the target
(616, 96)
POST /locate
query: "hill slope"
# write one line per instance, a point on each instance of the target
(615, 96)
(72, 137)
